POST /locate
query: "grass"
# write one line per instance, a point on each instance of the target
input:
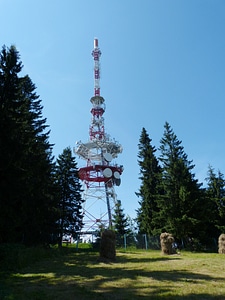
(134, 275)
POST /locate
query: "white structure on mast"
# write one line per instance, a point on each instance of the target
(99, 175)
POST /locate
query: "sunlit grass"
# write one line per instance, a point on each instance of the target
(134, 275)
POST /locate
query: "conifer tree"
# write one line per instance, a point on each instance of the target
(216, 194)
(10, 148)
(182, 203)
(120, 221)
(26, 184)
(70, 200)
(150, 176)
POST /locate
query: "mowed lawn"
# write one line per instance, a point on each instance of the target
(134, 275)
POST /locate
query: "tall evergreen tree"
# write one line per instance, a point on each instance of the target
(181, 205)
(120, 221)
(216, 194)
(10, 147)
(70, 202)
(150, 176)
(26, 183)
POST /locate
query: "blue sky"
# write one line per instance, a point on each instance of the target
(162, 60)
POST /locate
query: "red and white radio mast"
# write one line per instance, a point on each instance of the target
(100, 174)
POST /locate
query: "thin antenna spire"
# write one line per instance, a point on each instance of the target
(96, 53)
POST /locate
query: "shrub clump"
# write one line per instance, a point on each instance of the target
(166, 242)
(221, 244)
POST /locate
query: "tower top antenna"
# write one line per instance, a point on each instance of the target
(95, 43)
(96, 53)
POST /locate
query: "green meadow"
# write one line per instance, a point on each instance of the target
(136, 274)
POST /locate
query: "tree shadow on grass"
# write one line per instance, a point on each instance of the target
(126, 259)
(81, 276)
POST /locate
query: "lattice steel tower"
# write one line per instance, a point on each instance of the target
(100, 174)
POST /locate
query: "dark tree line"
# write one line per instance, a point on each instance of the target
(171, 198)
(35, 199)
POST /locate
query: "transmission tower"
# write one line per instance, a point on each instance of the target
(101, 174)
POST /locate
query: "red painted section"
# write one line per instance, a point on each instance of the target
(95, 173)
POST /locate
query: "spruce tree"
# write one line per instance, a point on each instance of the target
(215, 191)
(150, 176)
(70, 200)
(10, 147)
(120, 221)
(182, 203)
(26, 183)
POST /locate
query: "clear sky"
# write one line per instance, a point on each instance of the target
(162, 60)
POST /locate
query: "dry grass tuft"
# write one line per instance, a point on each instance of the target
(108, 246)
(166, 242)
(221, 244)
